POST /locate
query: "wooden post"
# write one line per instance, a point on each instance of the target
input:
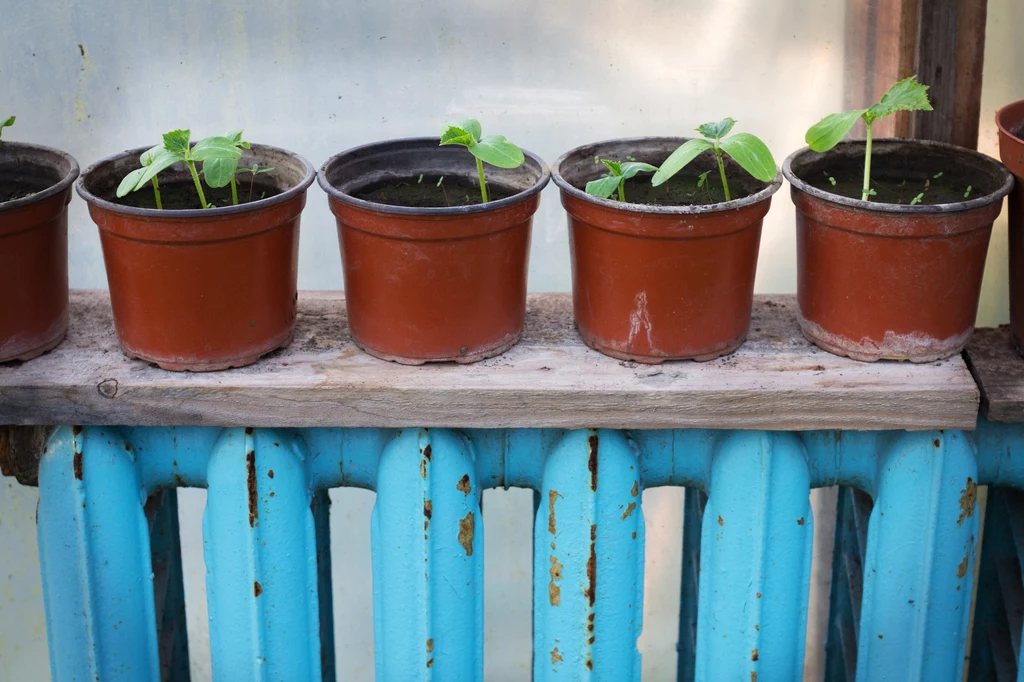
(942, 41)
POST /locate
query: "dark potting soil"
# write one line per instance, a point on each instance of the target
(182, 195)
(19, 187)
(681, 190)
(428, 193)
(949, 187)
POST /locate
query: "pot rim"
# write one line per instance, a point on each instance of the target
(877, 207)
(999, 118)
(734, 204)
(63, 185)
(335, 193)
(195, 213)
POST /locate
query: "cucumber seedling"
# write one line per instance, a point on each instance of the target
(493, 149)
(177, 147)
(615, 178)
(745, 149)
(6, 124)
(906, 95)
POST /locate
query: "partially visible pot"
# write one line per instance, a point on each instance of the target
(881, 281)
(656, 283)
(33, 248)
(432, 284)
(1010, 121)
(201, 289)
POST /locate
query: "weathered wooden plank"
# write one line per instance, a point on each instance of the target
(777, 380)
(999, 371)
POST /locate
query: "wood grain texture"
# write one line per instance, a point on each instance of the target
(776, 381)
(942, 41)
(999, 371)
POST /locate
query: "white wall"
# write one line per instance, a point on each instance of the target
(318, 77)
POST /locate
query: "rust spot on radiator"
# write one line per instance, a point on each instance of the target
(968, 496)
(554, 591)
(248, 430)
(430, 645)
(592, 462)
(430, 662)
(758, 595)
(636, 489)
(590, 663)
(423, 468)
(466, 530)
(753, 655)
(556, 657)
(753, 676)
(270, 473)
(77, 464)
(552, 496)
(428, 513)
(961, 570)
(75, 430)
(592, 566)
(257, 589)
(720, 521)
(464, 485)
(250, 469)
(634, 535)
(427, 453)
(936, 442)
(629, 510)
(800, 521)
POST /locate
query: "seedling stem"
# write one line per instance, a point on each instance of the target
(867, 165)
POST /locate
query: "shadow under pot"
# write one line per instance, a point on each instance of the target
(879, 280)
(671, 276)
(201, 289)
(1010, 121)
(35, 188)
(432, 274)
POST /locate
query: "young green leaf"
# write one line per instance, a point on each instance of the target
(630, 168)
(603, 187)
(716, 131)
(218, 171)
(457, 135)
(215, 148)
(7, 124)
(615, 179)
(906, 95)
(159, 160)
(497, 151)
(177, 141)
(687, 152)
(827, 132)
(470, 125)
(130, 182)
(751, 154)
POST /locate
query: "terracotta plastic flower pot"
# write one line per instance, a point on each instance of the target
(35, 188)
(202, 289)
(893, 281)
(654, 282)
(1010, 121)
(432, 284)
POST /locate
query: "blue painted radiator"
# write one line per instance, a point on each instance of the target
(903, 568)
